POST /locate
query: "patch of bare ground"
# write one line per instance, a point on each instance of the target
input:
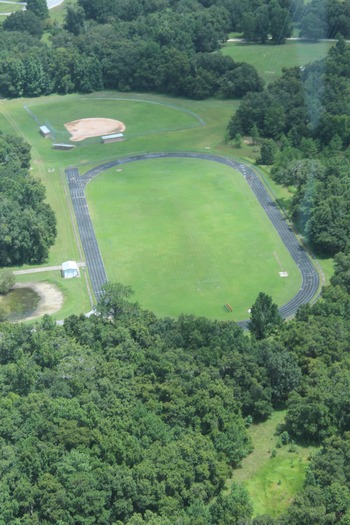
(51, 298)
(93, 127)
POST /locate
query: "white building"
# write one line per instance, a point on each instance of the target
(70, 269)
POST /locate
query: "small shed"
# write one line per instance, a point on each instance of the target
(115, 137)
(45, 132)
(70, 270)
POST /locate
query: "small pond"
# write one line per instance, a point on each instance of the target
(20, 302)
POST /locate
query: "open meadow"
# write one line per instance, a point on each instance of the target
(269, 60)
(274, 472)
(226, 250)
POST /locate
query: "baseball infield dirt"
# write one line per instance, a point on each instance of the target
(93, 127)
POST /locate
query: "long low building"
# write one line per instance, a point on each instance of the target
(115, 137)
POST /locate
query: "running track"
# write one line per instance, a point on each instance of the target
(310, 278)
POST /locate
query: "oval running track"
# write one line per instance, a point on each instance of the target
(76, 183)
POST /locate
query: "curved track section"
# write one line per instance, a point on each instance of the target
(77, 184)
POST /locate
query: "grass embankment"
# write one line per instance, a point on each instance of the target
(269, 60)
(273, 476)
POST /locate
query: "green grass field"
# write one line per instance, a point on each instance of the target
(272, 482)
(10, 8)
(58, 14)
(269, 60)
(142, 117)
(189, 236)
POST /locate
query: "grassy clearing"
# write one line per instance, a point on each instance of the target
(57, 14)
(146, 122)
(272, 482)
(10, 8)
(327, 267)
(269, 60)
(189, 236)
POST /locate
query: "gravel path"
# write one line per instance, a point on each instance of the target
(310, 278)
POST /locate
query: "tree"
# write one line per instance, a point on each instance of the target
(262, 23)
(75, 19)
(27, 223)
(37, 79)
(282, 369)
(248, 26)
(24, 21)
(255, 134)
(113, 299)
(341, 275)
(7, 280)
(313, 24)
(274, 120)
(267, 152)
(39, 8)
(239, 81)
(280, 22)
(265, 318)
(237, 141)
(233, 508)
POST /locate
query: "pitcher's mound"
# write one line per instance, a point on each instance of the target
(93, 127)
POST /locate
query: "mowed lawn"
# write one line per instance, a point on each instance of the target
(141, 116)
(269, 60)
(189, 236)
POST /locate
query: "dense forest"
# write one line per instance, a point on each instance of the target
(125, 418)
(148, 46)
(27, 222)
(159, 46)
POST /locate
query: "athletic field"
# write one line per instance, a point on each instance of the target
(188, 236)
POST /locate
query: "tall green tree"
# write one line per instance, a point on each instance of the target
(267, 152)
(233, 508)
(265, 319)
(39, 8)
(75, 19)
(7, 280)
(24, 21)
